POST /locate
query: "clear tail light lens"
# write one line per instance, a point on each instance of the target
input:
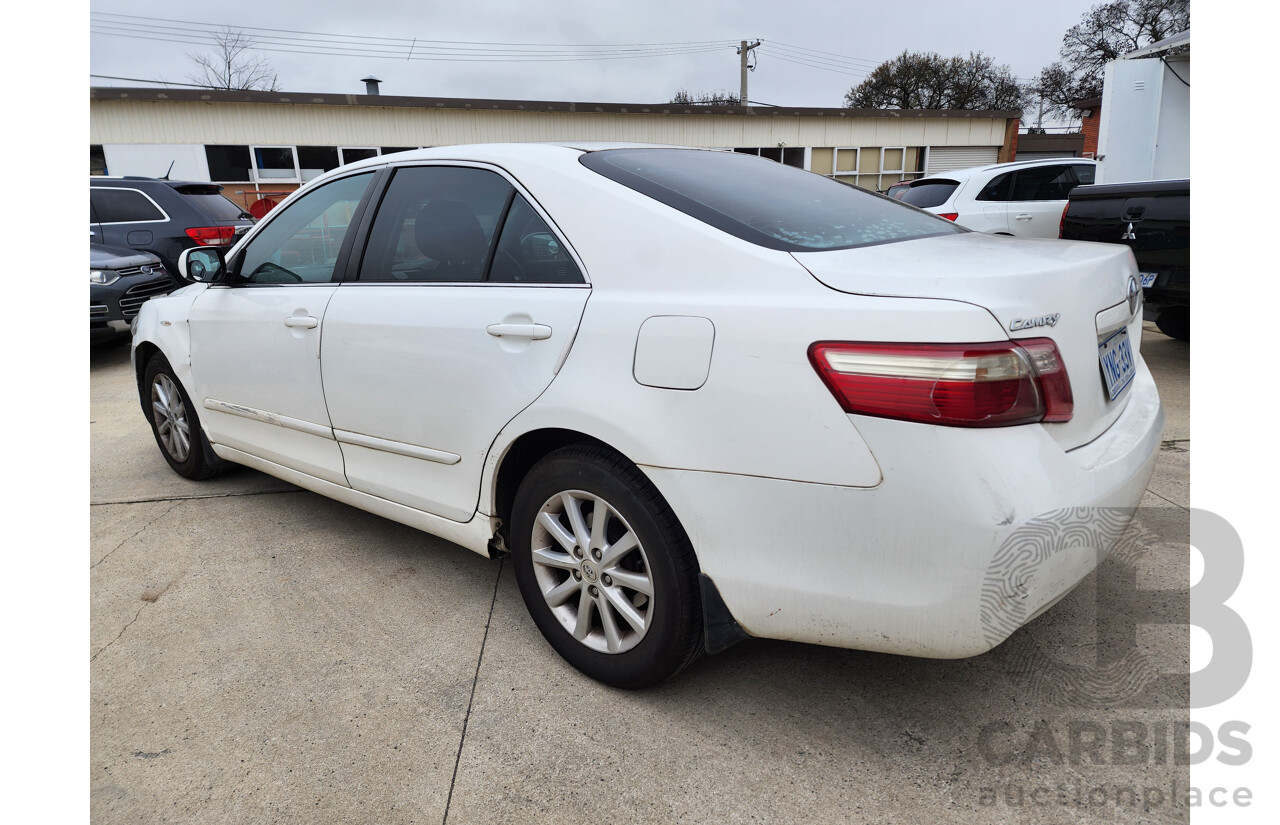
(212, 235)
(996, 384)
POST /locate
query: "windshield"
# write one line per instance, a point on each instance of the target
(767, 203)
(929, 193)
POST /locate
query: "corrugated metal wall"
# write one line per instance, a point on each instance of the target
(125, 121)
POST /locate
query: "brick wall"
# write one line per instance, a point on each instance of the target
(1089, 127)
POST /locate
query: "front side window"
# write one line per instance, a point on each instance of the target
(768, 204)
(301, 243)
(436, 224)
(123, 206)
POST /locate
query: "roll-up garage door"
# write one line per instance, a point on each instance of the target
(948, 158)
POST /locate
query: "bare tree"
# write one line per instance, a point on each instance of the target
(233, 65)
(716, 98)
(931, 81)
(1103, 34)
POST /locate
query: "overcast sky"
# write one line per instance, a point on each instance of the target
(835, 39)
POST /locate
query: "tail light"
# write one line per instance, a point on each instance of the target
(212, 235)
(957, 385)
(1062, 222)
(951, 216)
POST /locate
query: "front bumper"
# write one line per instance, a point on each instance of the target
(112, 307)
(971, 534)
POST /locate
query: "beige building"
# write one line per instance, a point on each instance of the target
(262, 145)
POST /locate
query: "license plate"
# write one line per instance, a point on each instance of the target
(1116, 357)
(1147, 278)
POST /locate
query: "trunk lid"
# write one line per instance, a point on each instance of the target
(1074, 293)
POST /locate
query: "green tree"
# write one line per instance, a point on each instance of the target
(927, 80)
(1105, 33)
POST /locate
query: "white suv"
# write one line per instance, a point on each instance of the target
(1021, 198)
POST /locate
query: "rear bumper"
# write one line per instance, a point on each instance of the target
(971, 534)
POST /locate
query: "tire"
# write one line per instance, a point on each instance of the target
(175, 424)
(1175, 322)
(630, 638)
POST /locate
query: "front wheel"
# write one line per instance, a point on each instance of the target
(605, 569)
(175, 424)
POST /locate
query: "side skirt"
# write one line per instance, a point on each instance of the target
(474, 535)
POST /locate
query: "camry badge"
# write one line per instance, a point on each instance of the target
(1133, 295)
(1028, 323)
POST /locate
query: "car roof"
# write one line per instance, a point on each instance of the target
(135, 180)
(964, 174)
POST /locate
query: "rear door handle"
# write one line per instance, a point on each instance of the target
(302, 321)
(536, 332)
(1023, 217)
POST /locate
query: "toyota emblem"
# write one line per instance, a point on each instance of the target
(1134, 295)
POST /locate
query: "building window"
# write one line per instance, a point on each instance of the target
(351, 154)
(790, 155)
(314, 161)
(97, 160)
(870, 167)
(229, 163)
(277, 164)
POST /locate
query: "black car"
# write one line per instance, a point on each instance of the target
(120, 282)
(163, 217)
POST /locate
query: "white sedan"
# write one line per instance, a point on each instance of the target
(695, 395)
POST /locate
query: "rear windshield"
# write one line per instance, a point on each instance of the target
(929, 193)
(211, 201)
(769, 204)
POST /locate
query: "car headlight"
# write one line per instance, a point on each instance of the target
(103, 276)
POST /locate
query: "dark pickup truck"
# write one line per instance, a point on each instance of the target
(1152, 218)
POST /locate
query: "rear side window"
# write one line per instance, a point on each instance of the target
(769, 204)
(929, 193)
(528, 252)
(1085, 174)
(123, 206)
(210, 202)
(435, 224)
(1046, 183)
(997, 189)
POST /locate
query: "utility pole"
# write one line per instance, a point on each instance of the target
(743, 51)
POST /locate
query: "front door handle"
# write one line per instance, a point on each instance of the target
(302, 321)
(536, 332)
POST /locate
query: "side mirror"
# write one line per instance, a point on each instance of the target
(202, 265)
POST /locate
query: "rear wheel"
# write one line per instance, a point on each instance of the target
(605, 569)
(176, 425)
(1175, 322)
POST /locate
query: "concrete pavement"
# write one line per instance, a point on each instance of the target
(263, 654)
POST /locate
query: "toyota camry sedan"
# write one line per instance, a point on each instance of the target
(695, 395)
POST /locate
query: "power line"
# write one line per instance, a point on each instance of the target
(285, 40)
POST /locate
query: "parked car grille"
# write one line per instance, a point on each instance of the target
(139, 270)
(97, 309)
(133, 300)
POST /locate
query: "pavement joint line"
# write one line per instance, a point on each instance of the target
(123, 542)
(1162, 498)
(193, 498)
(474, 681)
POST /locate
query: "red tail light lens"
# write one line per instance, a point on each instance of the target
(1062, 222)
(998, 384)
(212, 235)
(951, 216)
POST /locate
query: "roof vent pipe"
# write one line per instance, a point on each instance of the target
(371, 85)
